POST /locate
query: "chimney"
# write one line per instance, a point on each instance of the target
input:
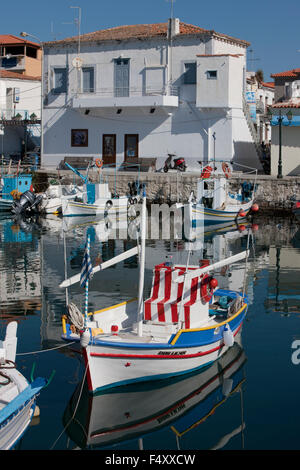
(173, 27)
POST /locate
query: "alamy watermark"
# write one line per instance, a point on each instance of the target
(296, 352)
(164, 222)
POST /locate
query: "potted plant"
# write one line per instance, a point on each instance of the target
(33, 117)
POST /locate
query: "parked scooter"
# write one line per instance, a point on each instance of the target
(178, 164)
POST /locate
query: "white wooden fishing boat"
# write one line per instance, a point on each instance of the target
(17, 396)
(130, 413)
(96, 200)
(186, 324)
(214, 202)
(55, 194)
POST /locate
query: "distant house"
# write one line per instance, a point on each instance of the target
(20, 55)
(20, 111)
(144, 91)
(20, 95)
(263, 93)
(286, 124)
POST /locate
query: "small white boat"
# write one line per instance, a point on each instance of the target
(55, 194)
(216, 204)
(17, 396)
(132, 412)
(186, 324)
(96, 200)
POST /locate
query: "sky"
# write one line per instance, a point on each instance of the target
(271, 26)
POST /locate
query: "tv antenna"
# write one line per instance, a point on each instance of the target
(77, 21)
(251, 57)
(172, 7)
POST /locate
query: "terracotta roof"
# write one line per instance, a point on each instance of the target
(9, 39)
(288, 73)
(143, 31)
(16, 75)
(293, 103)
(268, 84)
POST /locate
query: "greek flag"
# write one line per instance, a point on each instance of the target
(86, 269)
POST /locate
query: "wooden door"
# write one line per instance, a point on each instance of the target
(122, 77)
(109, 149)
(131, 148)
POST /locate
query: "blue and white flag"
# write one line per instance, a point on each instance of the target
(86, 269)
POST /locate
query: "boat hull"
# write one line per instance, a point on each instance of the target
(6, 205)
(74, 208)
(110, 365)
(201, 214)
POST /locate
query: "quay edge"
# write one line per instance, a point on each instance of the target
(273, 195)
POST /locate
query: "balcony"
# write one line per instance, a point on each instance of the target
(18, 117)
(13, 63)
(109, 98)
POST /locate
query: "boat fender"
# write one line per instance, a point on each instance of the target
(85, 338)
(227, 387)
(99, 162)
(228, 337)
(206, 172)
(242, 213)
(114, 329)
(226, 170)
(255, 208)
(208, 284)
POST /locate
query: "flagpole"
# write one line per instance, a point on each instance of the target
(87, 285)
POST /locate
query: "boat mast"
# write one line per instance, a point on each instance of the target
(142, 267)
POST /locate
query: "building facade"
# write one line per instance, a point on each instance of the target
(144, 91)
(285, 122)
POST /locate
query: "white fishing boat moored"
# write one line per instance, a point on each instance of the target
(186, 324)
(215, 203)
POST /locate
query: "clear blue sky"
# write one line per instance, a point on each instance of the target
(271, 26)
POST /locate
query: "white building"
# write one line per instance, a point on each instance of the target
(144, 91)
(285, 148)
(260, 95)
(20, 111)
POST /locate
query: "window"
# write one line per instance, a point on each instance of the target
(212, 74)
(88, 79)
(79, 138)
(189, 73)
(59, 80)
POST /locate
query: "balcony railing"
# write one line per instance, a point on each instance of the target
(17, 114)
(129, 92)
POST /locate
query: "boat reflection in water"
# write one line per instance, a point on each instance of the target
(130, 412)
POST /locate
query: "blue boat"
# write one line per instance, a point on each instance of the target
(13, 185)
(17, 395)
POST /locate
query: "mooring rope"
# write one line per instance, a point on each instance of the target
(46, 350)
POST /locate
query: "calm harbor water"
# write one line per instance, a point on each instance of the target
(247, 400)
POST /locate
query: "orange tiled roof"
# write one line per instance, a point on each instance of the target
(10, 39)
(288, 73)
(295, 103)
(143, 31)
(13, 75)
(268, 84)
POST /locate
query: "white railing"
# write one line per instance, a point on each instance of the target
(129, 92)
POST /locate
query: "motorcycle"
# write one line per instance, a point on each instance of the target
(178, 164)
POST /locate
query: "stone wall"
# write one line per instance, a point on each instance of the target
(272, 194)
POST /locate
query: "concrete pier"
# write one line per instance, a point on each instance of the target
(273, 195)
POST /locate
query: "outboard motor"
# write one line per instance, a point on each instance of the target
(27, 203)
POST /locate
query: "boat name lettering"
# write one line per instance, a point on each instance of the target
(173, 353)
(172, 413)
